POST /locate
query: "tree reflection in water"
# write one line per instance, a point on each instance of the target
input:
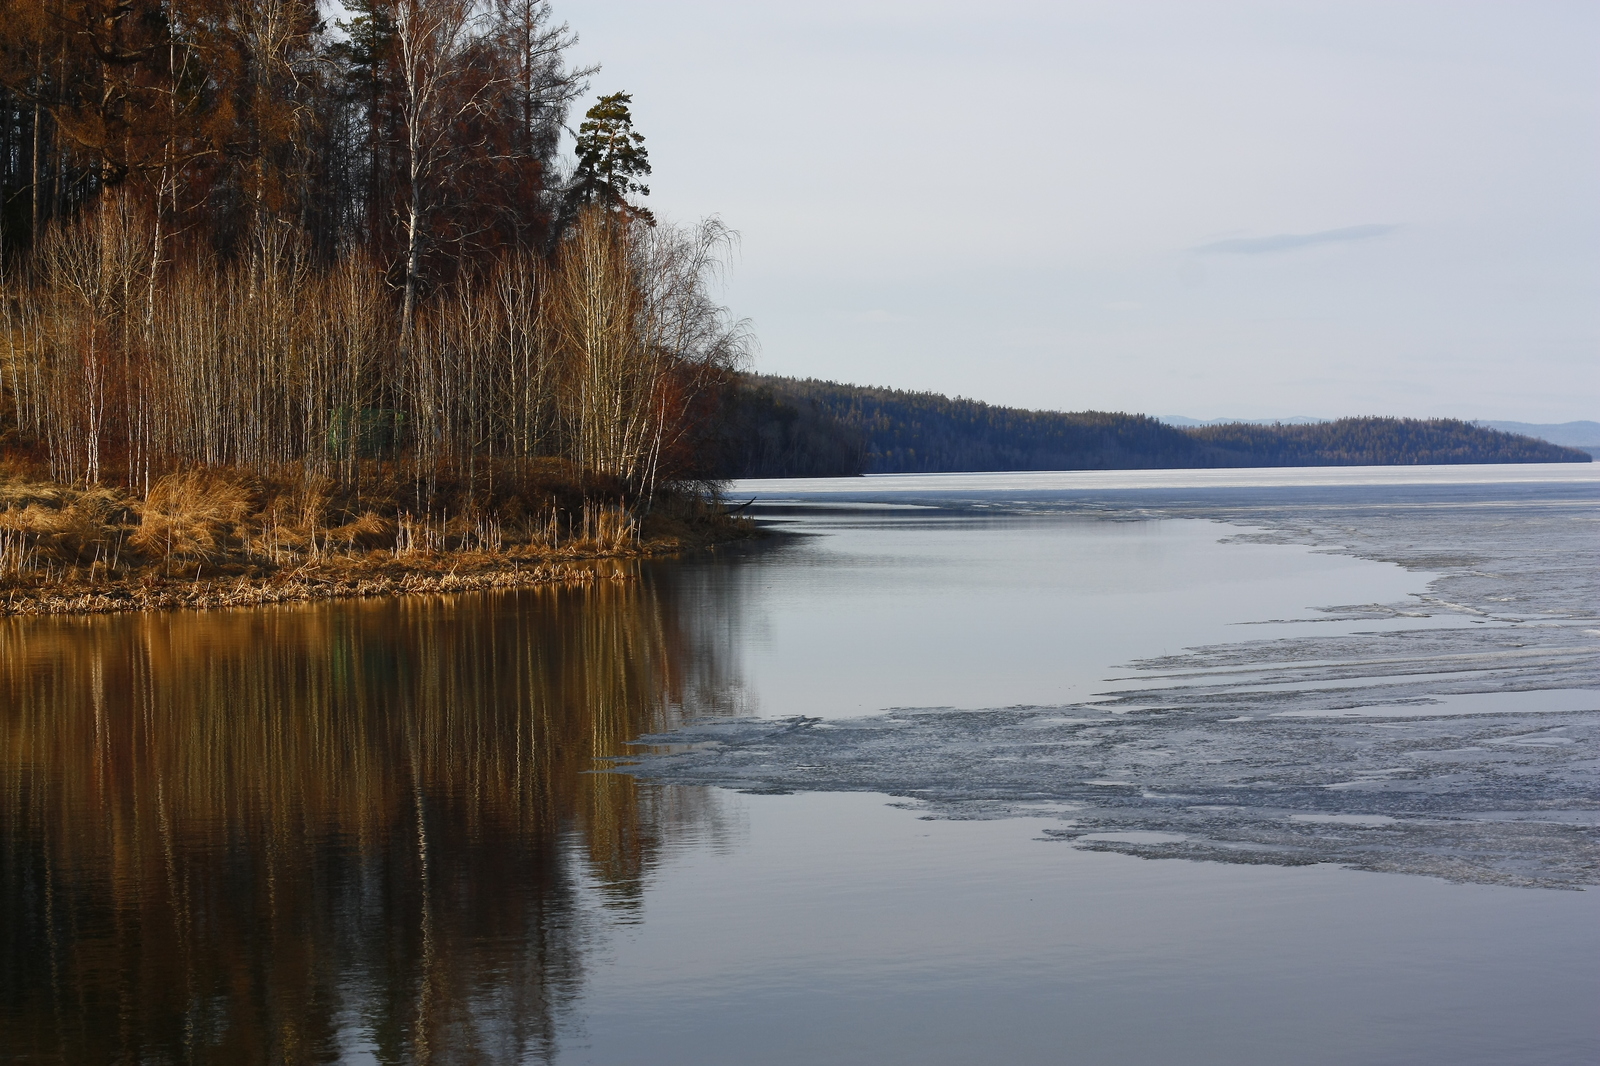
(277, 835)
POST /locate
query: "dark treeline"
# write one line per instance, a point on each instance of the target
(422, 129)
(786, 427)
(780, 427)
(235, 235)
(1380, 442)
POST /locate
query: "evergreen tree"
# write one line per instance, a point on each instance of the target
(611, 159)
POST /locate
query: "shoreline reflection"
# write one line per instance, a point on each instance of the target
(297, 833)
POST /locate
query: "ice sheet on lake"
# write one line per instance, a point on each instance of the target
(1465, 747)
(1505, 798)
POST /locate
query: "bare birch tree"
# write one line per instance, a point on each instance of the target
(432, 36)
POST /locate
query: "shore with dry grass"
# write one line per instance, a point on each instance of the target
(210, 537)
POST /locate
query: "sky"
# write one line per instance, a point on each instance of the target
(1214, 208)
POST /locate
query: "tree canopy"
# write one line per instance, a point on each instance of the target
(424, 131)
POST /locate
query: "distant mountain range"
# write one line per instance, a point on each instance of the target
(788, 427)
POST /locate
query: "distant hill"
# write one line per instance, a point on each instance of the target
(1584, 435)
(1380, 442)
(788, 427)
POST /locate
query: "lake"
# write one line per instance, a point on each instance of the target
(1123, 767)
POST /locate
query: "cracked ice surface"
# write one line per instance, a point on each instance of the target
(1468, 750)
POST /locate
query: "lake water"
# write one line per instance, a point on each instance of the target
(1210, 766)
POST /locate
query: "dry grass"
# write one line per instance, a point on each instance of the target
(211, 537)
(196, 514)
(58, 529)
(368, 531)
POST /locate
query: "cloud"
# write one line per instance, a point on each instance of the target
(1288, 242)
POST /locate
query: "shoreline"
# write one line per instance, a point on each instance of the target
(305, 584)
(215, 538)
(341, 579)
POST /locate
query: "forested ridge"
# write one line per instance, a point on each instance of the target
(333, 276)
(787, 427)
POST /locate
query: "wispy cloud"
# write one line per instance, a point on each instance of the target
(1288, 242)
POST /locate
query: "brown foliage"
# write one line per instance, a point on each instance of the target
(230, 120)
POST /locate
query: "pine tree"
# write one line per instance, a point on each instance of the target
(611, 159)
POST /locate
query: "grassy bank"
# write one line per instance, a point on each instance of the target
(213, 537)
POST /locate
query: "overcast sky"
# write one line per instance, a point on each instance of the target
(1200, 207)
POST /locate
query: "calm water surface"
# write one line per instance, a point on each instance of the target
(369, 832)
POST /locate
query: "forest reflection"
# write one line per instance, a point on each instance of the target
(293, 834)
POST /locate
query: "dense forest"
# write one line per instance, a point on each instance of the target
(785, 427)
(1378, 442)
(236, 234)
(338, 266)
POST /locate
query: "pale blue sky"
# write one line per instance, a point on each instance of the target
(1205, 207)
